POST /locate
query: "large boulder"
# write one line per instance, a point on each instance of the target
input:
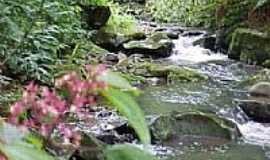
(158, 45)
(114, 41)
(250, 46)
(257, 106)
(95, 17)
(228, 19)
(175, 125)
(169, 72)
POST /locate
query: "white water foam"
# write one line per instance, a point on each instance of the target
(256, 133)
(185, 51)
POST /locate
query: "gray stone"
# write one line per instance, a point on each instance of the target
(157, 45)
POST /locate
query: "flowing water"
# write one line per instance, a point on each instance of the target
(219, 95)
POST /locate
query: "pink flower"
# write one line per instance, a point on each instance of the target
(17, 109)
(46, 130)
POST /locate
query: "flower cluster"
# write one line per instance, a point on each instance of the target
(44, 110)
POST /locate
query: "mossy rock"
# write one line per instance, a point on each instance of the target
(170, 72)
(157, 45)
(114, 41)
(175, 125)
(250, 46)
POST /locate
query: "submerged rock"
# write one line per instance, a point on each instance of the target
(173, 126)
(157, 45)
(250, 46)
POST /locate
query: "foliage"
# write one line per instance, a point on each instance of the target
(47, 111)
(13, 145)
(33, 33)
(120, 21)
(188, 12)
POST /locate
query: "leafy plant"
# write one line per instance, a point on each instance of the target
(48, 110)
(34, 32)
(187, 12)
(13, 145)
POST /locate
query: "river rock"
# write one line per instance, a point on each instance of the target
(171, 126)
(257, 107)
(158, 45)
(170, 72)
(250, 46)
(208, 42)
(261, 89)
(95, 17)
(114, 41)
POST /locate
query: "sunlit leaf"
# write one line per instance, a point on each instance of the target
(116, 80)
(129, 108)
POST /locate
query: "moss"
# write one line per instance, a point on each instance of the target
(250, 46)
(172, 73)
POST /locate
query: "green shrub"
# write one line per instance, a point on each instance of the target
(187, 12)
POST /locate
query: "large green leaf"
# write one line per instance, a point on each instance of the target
(116, 80)
(13, 145)
(127, 152)
(127, 106)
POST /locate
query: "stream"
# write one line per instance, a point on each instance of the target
(217, 95)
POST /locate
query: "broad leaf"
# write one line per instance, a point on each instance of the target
(127, 106)
(116, 80)
(127, 152)
(13, 145)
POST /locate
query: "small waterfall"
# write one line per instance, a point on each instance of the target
(186, 52)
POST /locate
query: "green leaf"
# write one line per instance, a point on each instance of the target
(24, 151)
(127, 152)
(116, 80)
(14, 146)
(127, 106)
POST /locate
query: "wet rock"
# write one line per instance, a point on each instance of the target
(207, 42)
(173, 126)
(158, 45)
(257, 107)
(173, 35)
(193, 33)
(170, 72)
(114, 41)
(250, 46)
(95, 16)
(261, 89)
